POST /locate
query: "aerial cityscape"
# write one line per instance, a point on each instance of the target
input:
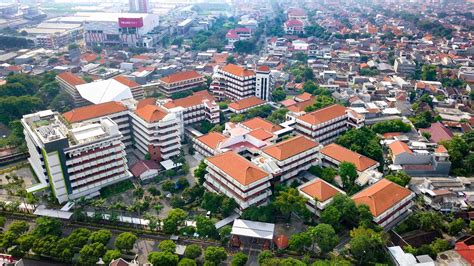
(251, 132)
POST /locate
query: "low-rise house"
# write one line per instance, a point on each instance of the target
(388, 202)
(319, 194)
(145, 169)
(419, 160)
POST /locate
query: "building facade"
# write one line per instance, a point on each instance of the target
(233, 82)
(234, 176)
(263, 83)
(324, 125)
(181, 81)
(156, 132)
(74, 160)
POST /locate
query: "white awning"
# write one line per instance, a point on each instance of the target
(169, 164)
(253, 229)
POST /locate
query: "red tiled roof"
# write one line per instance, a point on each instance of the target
(181, 76)
(212, 139)
(319, 189)
(142, 166)
(192, 100)
(324, 114)
(398, 147)
(290, 147)
(342, 154)
(237, 70)
(70, 78)
(258, 122)
(438, 132)
(151, 113)
(381, 196)
(246, 103)
(294, 23)
(237, 167)
(126, 81)
(261, 134)
(93, 111)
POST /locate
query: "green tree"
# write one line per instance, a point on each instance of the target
(79, 237)
(278, 94)
(265, 255)
(90, 254)
(400, 178)
(365, 216)
(101, 236)
(167, 246)
(215, 255)
(211, 202)
(26, 242)
(244, 47)
(228, 206)
(428, 72)
(348, 173)
(391, 126)
(200, 172)
(163, 259)
(230, 59)
(173, 220)
(331, 215)
(456, 226)
(325, 237)
(366, 245)
(289, 201)
(111, 254)
(193, 251)
(18, 227)
(206, 228)
(125, 241)
(300, 242)
(239, 259)
(47, 226)
(187, 262)
(309, 86)
(278, 116)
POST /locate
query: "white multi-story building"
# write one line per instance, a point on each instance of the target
(387, 201)
(69, 82)
(233, 82)
(116, 111)
(288, 158)
(404, 65)
(181, 81)
(74, 160)
(234, 176)
(125, 29)
(263, 83)
(319, 194)
(326, 124)
(156, 132)
(195, 108)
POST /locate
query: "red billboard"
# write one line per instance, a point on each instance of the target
(130, 22)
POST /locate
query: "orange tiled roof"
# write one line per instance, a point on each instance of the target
(305, 96)
(72, 79)
(212, 139)
(319, 190)
(290, 147)
(441, 149)
(181, 76)
(324, 114)
(258, 122)
(381, 196)
(342, 154)
(238, 70)
(126, 81)
(145, 102)
(93, 111)
(246, 103)
(399, 147)
(151, 113)
(261, 134)
(237, 167)
(191, 100)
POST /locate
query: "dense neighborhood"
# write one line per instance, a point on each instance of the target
(323, 132)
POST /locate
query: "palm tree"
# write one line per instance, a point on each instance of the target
(290, 200)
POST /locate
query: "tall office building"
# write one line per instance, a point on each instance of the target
(139, 6)
(263, 83)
